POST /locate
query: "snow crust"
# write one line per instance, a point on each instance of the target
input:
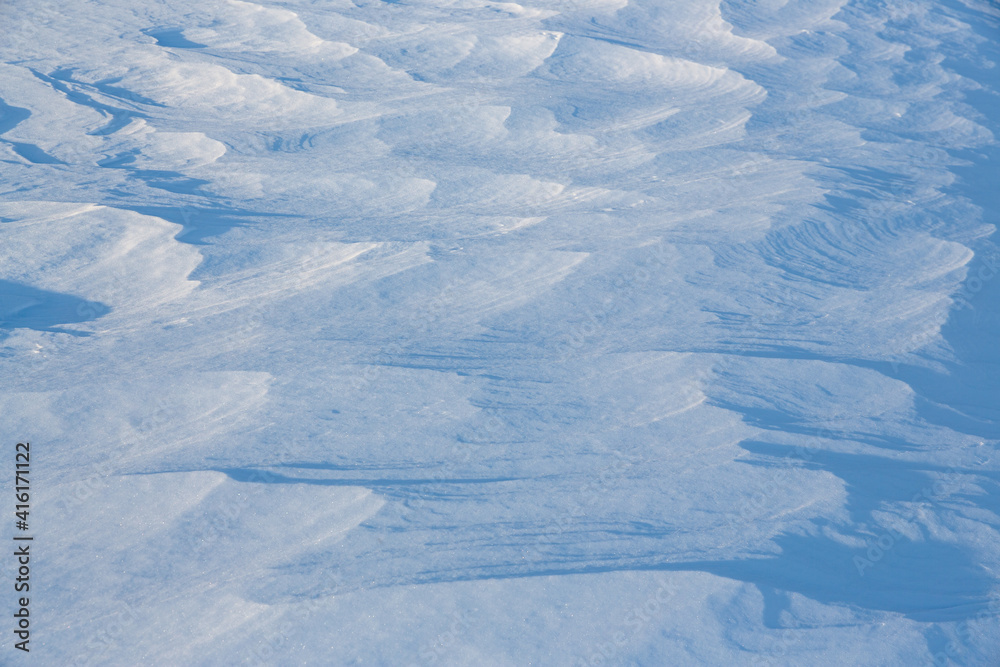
(463, 332)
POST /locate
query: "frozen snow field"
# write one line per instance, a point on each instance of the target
(460, 332)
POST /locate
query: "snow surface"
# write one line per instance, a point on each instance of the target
(481, 333)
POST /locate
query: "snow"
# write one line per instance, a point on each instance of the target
(482, 333)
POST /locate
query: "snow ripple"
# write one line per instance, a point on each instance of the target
(478, 294)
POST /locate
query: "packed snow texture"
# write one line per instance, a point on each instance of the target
(481, 333)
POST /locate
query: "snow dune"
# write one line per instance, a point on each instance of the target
(472, 332)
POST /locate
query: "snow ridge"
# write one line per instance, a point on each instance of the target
(455, 332)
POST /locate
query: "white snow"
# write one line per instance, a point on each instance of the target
(464, 332)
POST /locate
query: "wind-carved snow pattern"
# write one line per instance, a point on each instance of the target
(572, 332)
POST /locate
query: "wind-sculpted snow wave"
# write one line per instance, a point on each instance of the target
(586, 331)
